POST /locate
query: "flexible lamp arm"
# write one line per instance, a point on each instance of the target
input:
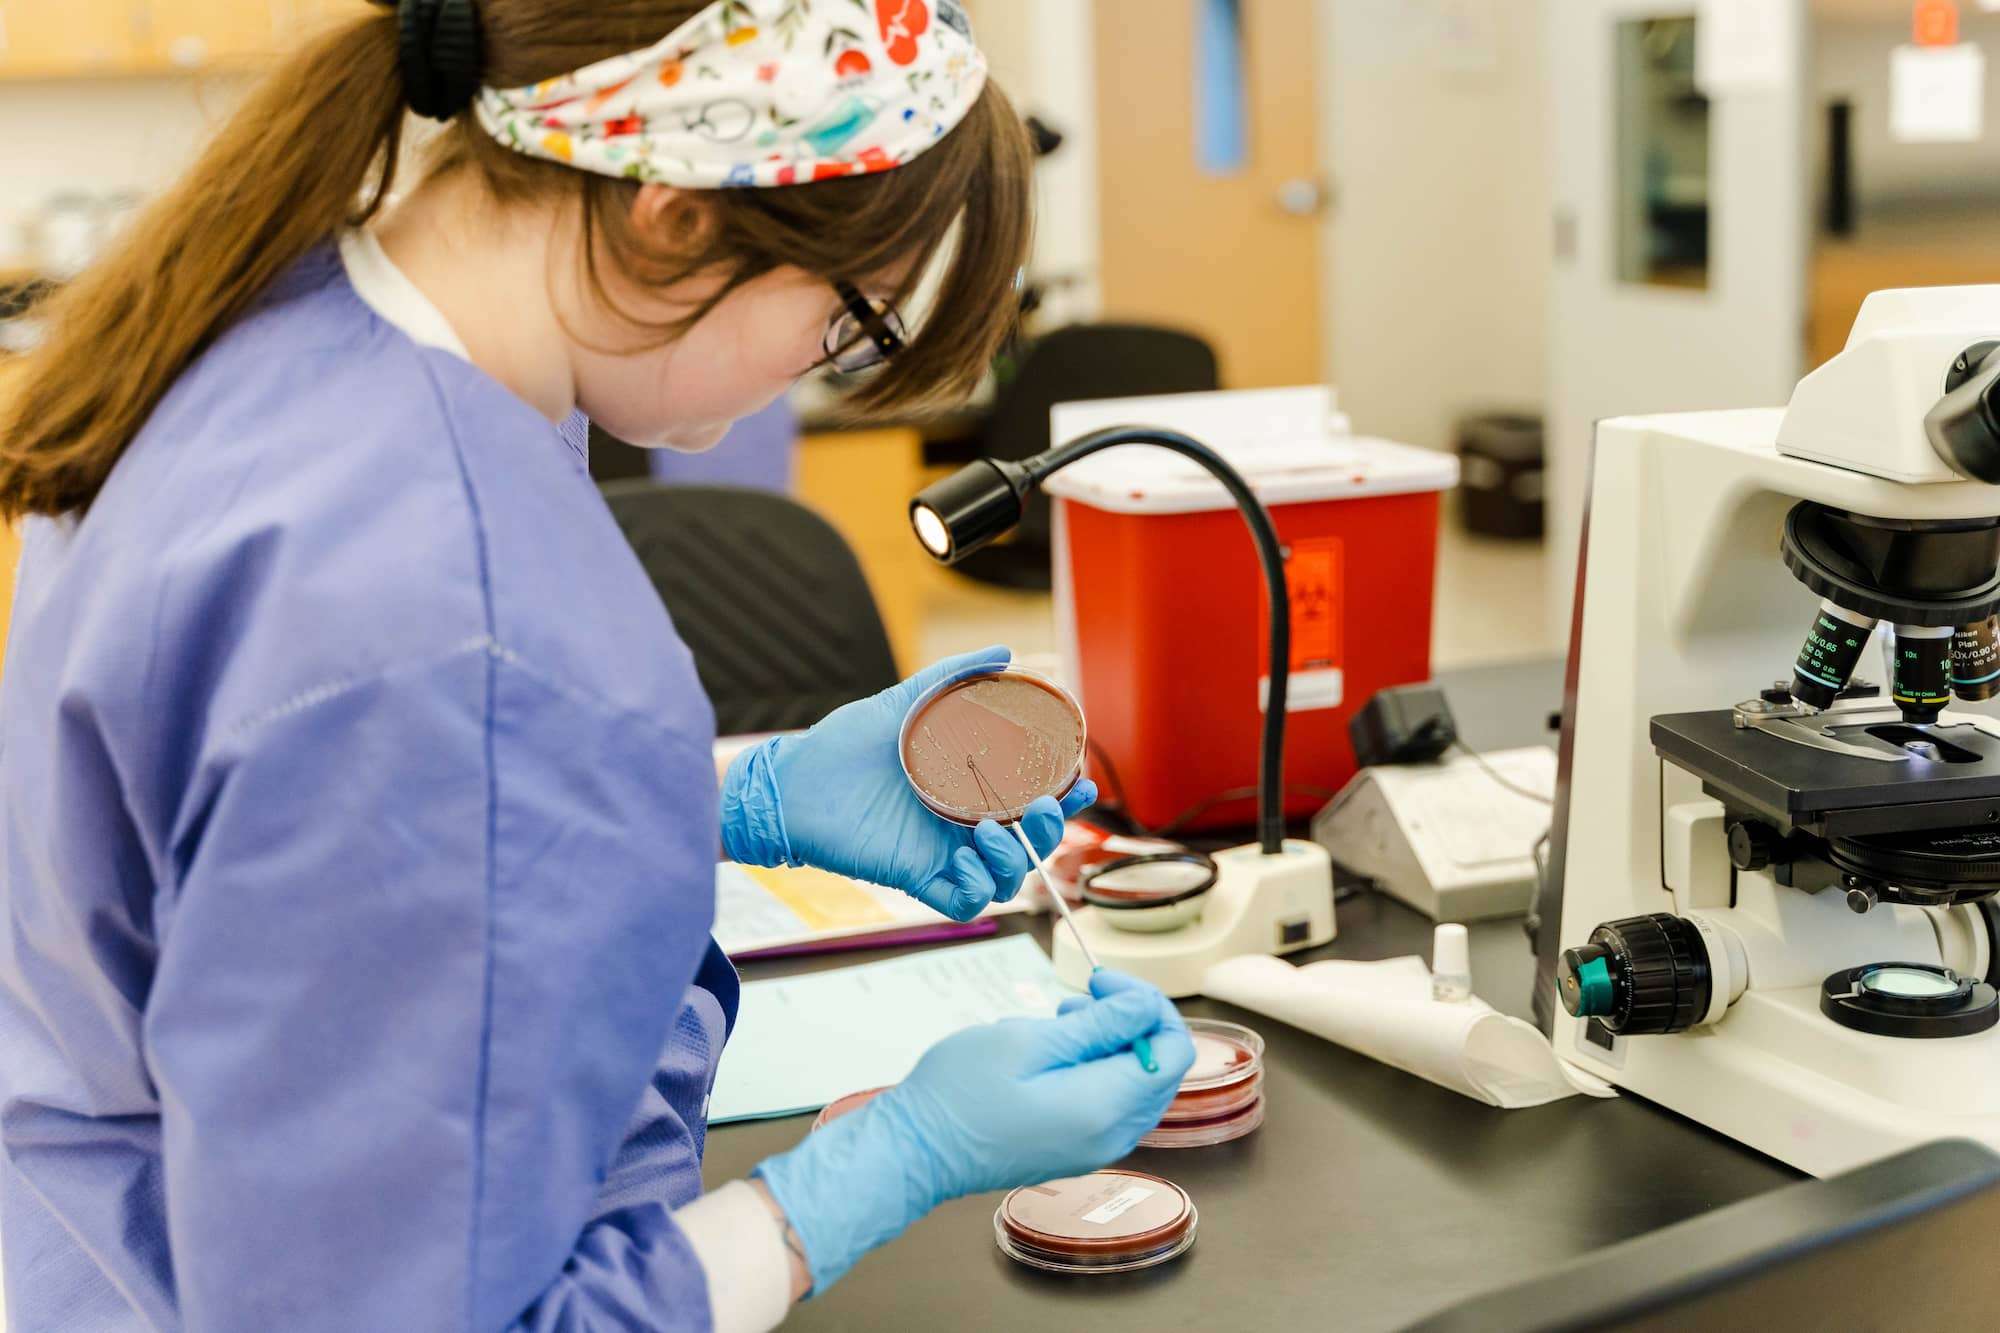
(963, 512)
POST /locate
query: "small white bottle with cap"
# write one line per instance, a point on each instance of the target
(1451, 964)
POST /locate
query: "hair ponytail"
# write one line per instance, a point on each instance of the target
(311, 150)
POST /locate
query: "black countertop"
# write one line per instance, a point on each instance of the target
(1369, 1199)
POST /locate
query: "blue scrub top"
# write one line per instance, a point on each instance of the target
(358, 826)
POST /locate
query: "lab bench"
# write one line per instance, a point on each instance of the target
(1369, 1199)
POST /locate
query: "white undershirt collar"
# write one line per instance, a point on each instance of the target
(388, 291)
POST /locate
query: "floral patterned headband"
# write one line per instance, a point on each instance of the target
(757, 93)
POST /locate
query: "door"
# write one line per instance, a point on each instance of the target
(1233, 256)
(1680, 236)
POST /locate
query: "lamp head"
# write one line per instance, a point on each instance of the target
(971, 507)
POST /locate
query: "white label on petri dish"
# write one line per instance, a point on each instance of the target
(1118, 1205)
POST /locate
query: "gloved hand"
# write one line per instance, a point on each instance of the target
(1014, 1103)
(837, 798)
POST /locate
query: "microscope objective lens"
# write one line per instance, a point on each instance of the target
(1975, 661)
(1827, 658)
(1923, 672)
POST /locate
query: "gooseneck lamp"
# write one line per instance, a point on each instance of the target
(985, 499)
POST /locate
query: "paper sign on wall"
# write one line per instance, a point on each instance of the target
(1741, 45)
(1937, 94)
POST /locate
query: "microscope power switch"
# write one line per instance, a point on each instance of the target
(1640, 976)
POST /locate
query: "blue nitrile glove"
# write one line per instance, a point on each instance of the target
(1013, 1103)
(837, 798)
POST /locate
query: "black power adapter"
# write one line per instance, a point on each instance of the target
(1405, 724)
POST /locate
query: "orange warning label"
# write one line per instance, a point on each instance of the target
(1936, 23)
(1312, 579)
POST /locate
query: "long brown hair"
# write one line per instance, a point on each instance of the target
(313, 149)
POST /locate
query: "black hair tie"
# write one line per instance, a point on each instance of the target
(442, 54)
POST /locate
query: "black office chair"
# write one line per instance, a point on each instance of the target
(768, 597)
(1080, 363)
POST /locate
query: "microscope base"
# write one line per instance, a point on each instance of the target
(1777, 1075)
(1260, 904)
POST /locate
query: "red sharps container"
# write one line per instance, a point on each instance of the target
(1160, 600)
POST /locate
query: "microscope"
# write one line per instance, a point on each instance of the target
(1770, 906)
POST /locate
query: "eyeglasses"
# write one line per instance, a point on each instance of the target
(865, 334)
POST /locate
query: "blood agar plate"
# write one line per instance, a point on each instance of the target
(1227, 1056)
(987, 743)
(1112, 1221)
(1237, 1124)
(852, 1102)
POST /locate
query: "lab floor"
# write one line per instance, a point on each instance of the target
(1492, 606)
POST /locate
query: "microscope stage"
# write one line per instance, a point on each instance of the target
(1835, 794)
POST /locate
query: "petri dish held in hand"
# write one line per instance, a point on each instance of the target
(1113, 1221)
(847, 1105)
(988, 742)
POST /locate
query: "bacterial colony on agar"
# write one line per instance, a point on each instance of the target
(987, 744)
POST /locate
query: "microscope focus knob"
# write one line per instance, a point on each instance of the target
(1639, 976)
(1752, 846)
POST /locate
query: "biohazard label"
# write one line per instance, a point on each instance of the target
(1313, 582)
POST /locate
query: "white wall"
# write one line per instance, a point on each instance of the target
(99, 136)
(1044, 54)
(1440, 230)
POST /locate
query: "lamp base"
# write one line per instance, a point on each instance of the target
(1260, 904)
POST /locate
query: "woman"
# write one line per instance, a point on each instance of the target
(359, 815)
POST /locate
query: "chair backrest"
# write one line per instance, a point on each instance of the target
(767, 596)
(1075, 364)
(1085, 362)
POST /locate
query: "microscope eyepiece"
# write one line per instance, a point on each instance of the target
(1964, 425)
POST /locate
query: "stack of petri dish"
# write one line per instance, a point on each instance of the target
(1113, 1221)
(1222, 1097)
